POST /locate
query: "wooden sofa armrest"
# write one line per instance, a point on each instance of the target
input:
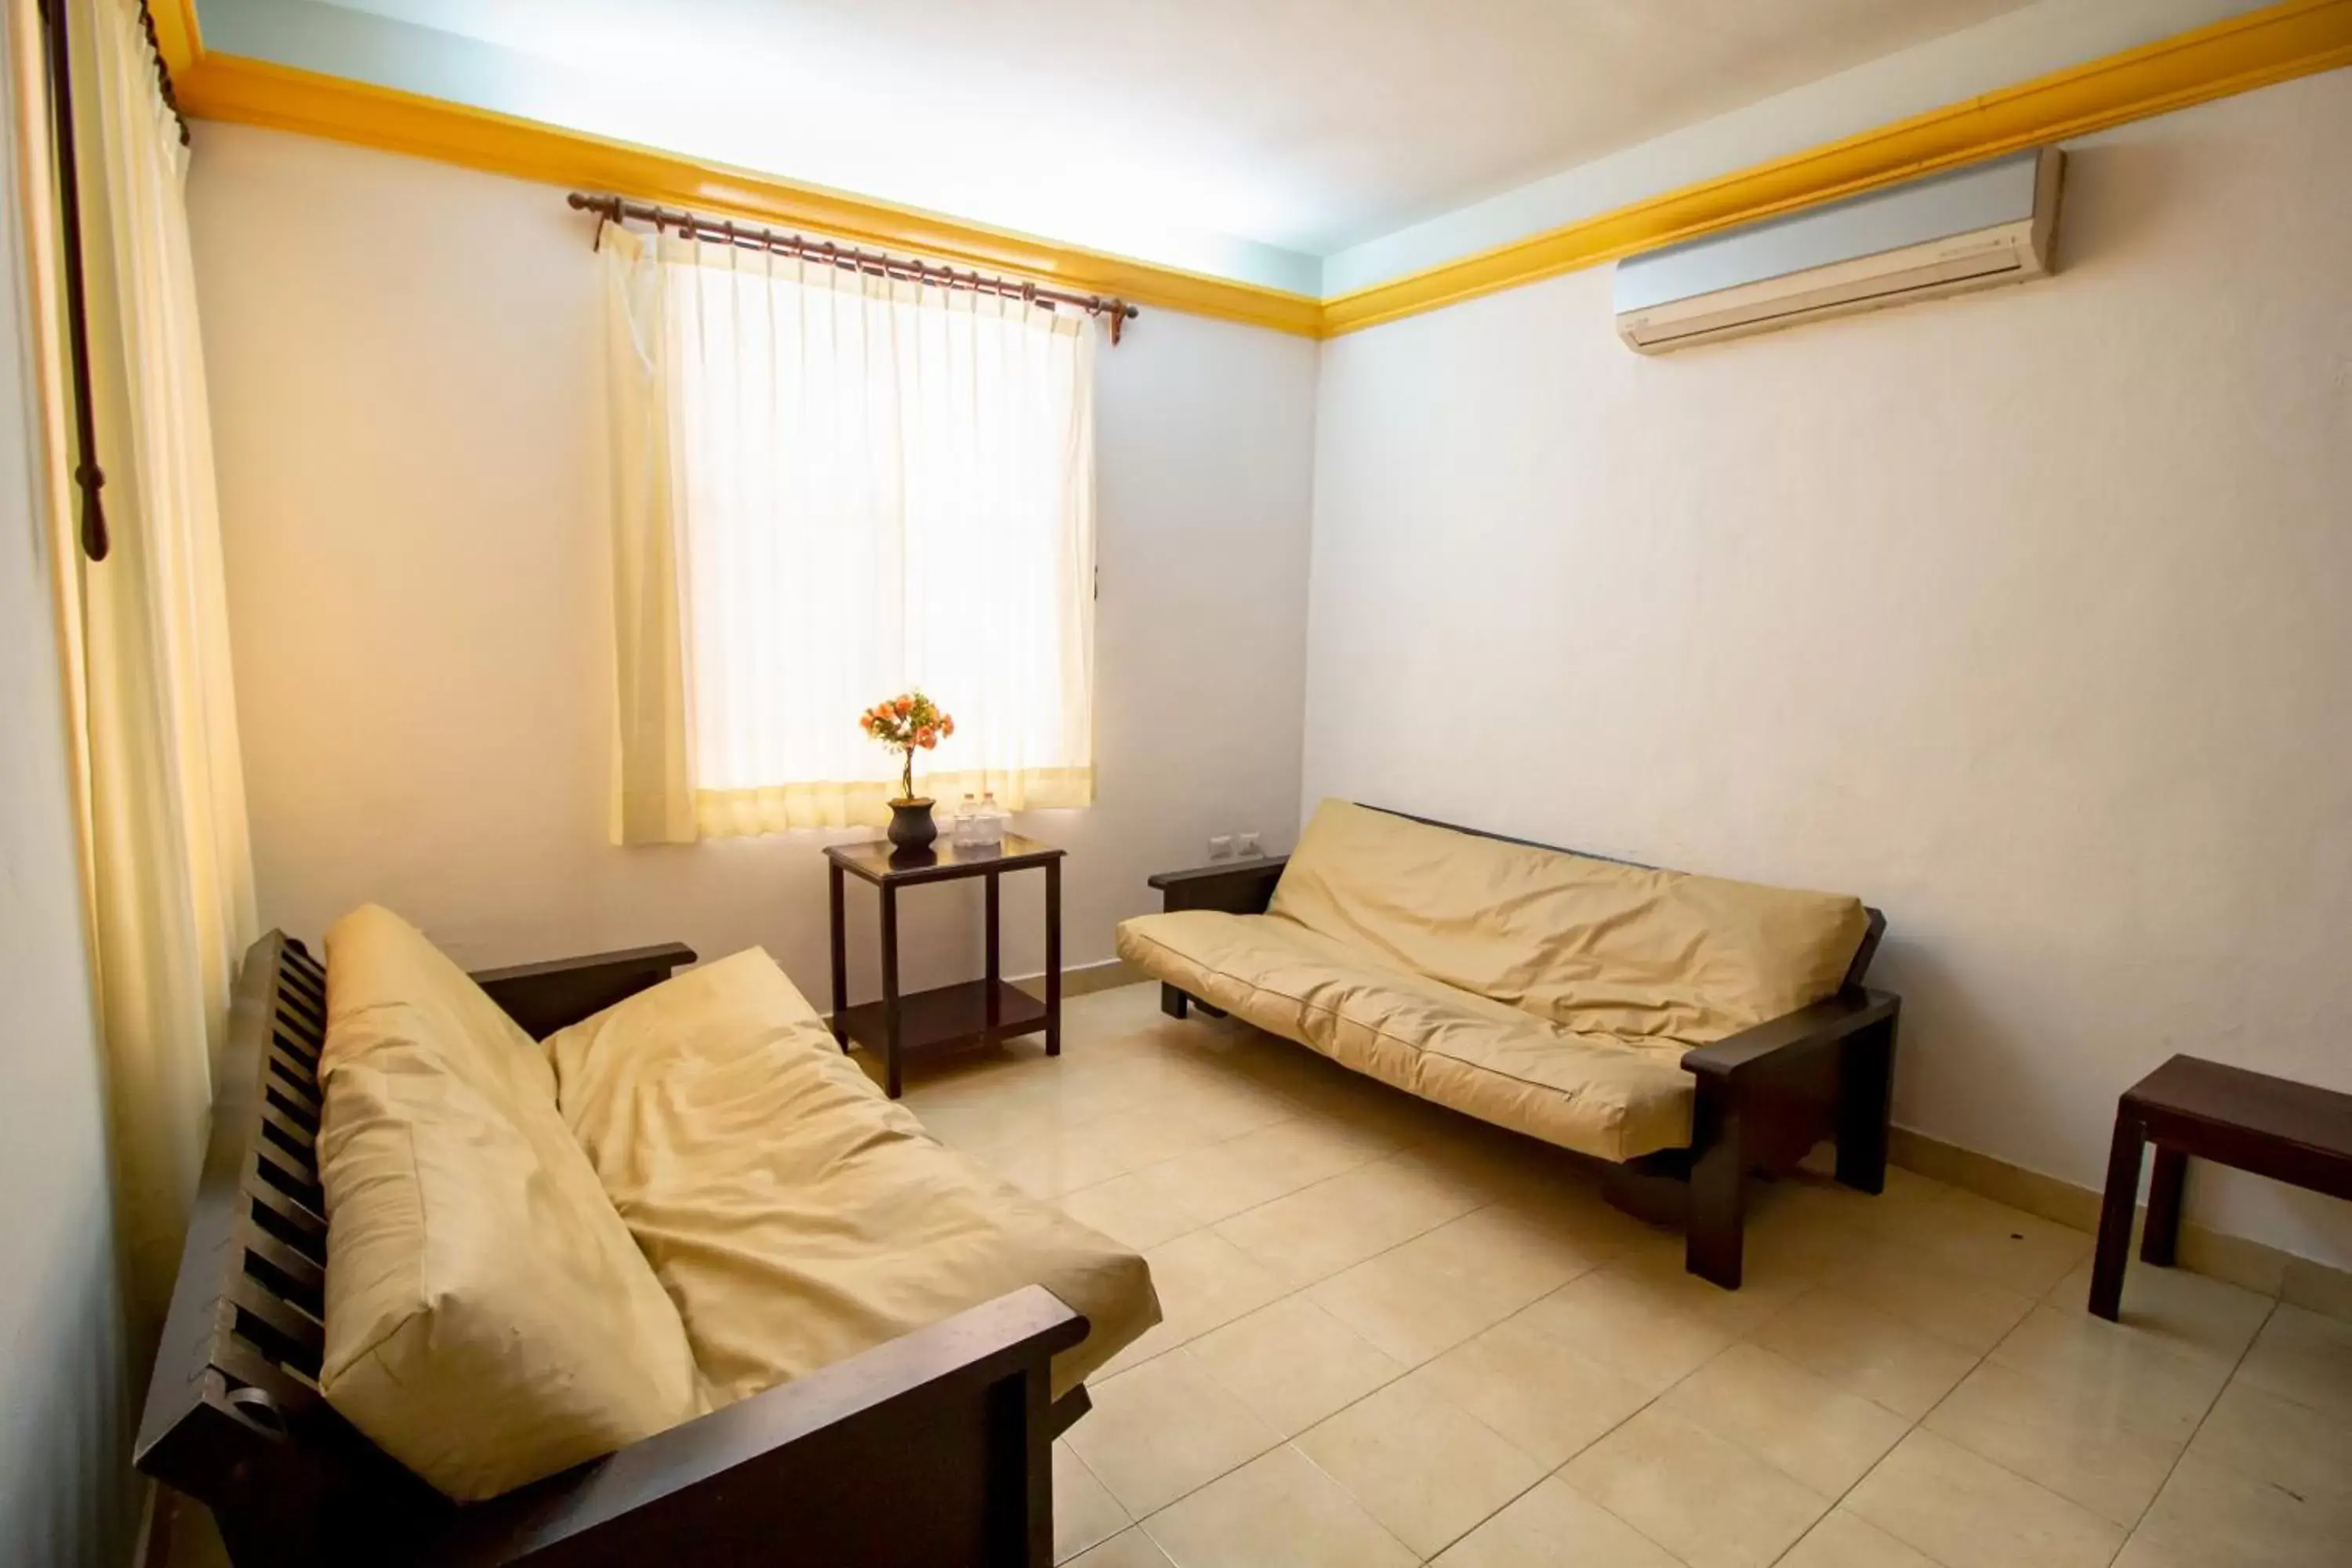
(1766, 1095)
(1235, 886)
(1232, 886)
(543, 998)
(932, 1449)
(1771, 1047)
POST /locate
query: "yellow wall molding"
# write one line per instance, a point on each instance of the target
(176, 35)
(2292, 39)
(215, 86)
(2256, 49)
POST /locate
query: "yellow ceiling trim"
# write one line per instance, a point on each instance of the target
(2272, 45)
(213, 86)
(2292, 39)
(176, 35)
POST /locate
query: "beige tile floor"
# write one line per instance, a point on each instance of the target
(1395, 1336)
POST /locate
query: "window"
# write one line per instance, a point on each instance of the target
(862, 485)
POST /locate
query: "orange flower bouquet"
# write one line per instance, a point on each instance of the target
(907, 724)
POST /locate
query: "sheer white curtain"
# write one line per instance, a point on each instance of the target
(168, 874)
(830, 487)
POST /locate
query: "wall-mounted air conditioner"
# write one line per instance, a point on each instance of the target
(1988, 223)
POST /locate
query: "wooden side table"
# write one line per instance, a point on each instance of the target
(952, 1017)
(2274, 1127)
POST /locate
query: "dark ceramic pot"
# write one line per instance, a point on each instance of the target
(911, 827)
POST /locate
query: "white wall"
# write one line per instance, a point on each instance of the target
(65, 1493)
(402, 359)
(2020, 614)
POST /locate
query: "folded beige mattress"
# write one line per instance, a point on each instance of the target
(795, 1215)
(1597, 1093)
(1549, 993)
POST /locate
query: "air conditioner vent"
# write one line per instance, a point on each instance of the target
(1976, 227)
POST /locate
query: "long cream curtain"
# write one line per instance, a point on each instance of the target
(169, 873)
(828, 488)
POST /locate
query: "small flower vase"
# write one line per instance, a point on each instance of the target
(911, 827)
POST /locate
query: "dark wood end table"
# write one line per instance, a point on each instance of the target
(952, 1017)
(2274, 1127)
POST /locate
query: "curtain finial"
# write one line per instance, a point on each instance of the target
(95, 541)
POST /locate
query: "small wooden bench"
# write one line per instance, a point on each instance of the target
(2274, 1127)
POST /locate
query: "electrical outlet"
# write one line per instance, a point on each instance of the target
(1221, 846)
(1247, 846)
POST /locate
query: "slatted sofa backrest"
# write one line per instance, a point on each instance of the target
(234, 1415)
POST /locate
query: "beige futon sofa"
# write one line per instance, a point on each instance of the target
(1684, 1029)
(673, 1282)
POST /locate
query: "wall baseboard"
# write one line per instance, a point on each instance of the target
(1086, 978)
(2256, 1265)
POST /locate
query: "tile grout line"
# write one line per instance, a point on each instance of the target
(1914, 1424)
(1553, 1473)
(1300, 1111)
(1489, 1198)
(1470, 1414)
(1291, 1441)
(1484, 1202)
(2036, 1303)
(1301, 1290)
(1133, 1523)
(1315, 1115)
(1750, 1339)
(1483, 1205)
(1917, 1424)
(2206, 1414)
(1985, 1357)
(1747, 1337)
(1304, 1113)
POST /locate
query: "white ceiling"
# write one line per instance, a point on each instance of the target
(1310, 125)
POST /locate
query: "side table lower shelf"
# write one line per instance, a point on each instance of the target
(951, 1018)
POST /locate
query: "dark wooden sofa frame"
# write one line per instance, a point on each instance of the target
(1764, 1096)
(932, 1449)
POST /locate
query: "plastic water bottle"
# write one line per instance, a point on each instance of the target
(966, 823)
(992, 821)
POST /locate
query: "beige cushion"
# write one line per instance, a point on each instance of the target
(795, 1215)
(387, 984)
(1592, 946)
(488, 1319)
(1612, 1098)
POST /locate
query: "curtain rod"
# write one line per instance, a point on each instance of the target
(726, 231)
(88, 477)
